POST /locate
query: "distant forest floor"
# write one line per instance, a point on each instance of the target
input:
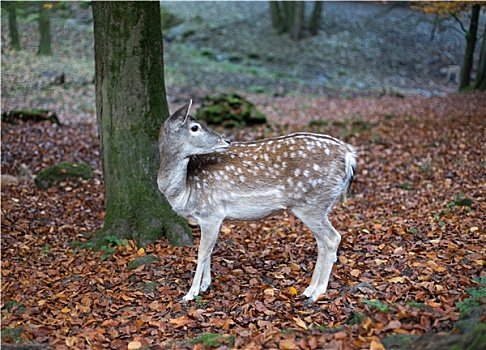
(363, 49)
(411, 260)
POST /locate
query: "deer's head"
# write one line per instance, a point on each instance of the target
(184, 135)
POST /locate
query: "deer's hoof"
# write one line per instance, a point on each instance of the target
(186, 298)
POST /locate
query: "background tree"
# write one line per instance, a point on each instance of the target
(289, 17)
(316, 17)
(480, 81)
(456, 9)
(131, 107)
(12, 24)
(44, 29)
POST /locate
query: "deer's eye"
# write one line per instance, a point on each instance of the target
(194, 128)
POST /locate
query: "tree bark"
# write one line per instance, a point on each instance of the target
(298, 20)
(287, 15)
(276, 14)
(480, 81)
(316, 17)
(131, 107)
(45, 30)
(471, 37)
(12, 25)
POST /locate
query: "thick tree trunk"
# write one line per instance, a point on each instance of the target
(316, 17)
(131, 107)
(12, 26)
(471, 37)
(480, 81)
(45, 30)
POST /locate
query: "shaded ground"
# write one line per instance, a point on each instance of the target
(362, 49)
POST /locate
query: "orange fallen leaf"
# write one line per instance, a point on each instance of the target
(287, 344)
(376, 345)
(181, 321)
(340, 335)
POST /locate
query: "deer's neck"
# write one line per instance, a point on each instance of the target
(172, 180)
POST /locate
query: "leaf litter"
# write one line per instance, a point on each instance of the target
(410, 247)
(412, 231)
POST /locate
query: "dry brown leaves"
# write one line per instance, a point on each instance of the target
(408, 247)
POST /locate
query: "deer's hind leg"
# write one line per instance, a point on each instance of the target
(328, 240)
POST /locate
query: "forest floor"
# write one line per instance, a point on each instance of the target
(411, 259)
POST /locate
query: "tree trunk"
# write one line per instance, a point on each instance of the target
(480, 81)
(298, 20)
(276, 15)
(471, 37)
(12, 26)
(45, 30)
(316, 17)
(287, 15)
(131, 107)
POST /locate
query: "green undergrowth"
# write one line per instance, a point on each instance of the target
(213, 340)
(108, 245)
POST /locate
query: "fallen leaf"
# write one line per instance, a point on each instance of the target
(181, 321)
(133, 345)
(376, 345)
(299, 322)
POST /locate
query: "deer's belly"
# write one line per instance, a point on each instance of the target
(257, 205)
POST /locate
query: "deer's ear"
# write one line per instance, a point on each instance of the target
(180, 116)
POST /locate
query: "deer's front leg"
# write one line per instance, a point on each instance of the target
(209, 236)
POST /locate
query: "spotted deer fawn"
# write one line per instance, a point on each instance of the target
(207, 181)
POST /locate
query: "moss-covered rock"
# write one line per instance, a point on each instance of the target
(229, 110)
(62, 172)
(169, 20)
(12, 335)
(143, 260)
(36, 115)
(14, 307)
